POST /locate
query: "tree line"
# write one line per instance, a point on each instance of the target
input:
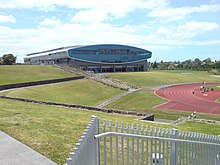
(196, 64)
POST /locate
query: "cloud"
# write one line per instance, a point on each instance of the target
(115, 6)
(90, 16)
(101, 11)
(91, 24)
(115, 9)
(205, 43)
(50, 22)
(42, 38)
(187, 30)
(197, 27)
(8, 18)
(168, 14)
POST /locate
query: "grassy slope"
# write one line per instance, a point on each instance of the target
(10, 74)
(86, 92)
(144, 100)
(214, 87)
(53, 131)
(157, 78)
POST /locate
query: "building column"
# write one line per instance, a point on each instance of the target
(126, 68)
(100, 68)
(145, 67)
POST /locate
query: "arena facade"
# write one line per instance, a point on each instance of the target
(97, 58)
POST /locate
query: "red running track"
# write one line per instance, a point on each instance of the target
(182, 98)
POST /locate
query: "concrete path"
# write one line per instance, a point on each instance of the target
(115, 98)
(13, 152)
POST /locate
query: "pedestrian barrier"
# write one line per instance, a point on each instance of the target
(120, 144)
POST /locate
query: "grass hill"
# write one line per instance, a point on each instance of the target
(10, 74)
(84, 92)
(53, 131)
(158, 78)
(144, 100)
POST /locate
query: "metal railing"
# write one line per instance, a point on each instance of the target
(141, 145)
(86, 151)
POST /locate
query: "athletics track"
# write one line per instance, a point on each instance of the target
(181, 97)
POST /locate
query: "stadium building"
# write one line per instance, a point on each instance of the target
(97, 58)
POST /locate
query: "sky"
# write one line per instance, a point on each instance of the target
(171, 29)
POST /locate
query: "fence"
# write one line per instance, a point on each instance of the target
(138, 145)
(86, 151)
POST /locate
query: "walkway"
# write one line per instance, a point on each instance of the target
(100, 78)
(13, 152)
(115, 98)
(182, 98)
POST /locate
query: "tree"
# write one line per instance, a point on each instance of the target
(9, 59)
(155, 65)
(1, 62)
(197, 64)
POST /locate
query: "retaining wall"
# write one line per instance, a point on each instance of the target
(34, 83)
(78, 106)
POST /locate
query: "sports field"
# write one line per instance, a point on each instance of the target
(145, 100)
(53, 131)
(189, 97)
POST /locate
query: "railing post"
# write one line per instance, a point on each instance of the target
(96, 142)
(174, 148)
(218, 153)
(86, 151)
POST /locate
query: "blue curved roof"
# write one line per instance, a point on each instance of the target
(109, 53)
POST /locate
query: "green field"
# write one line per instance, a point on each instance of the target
(10, 74)
(85, 92)
(158, 78)
(53, 131)
(144, 100)
(88, 92)
(214, 87)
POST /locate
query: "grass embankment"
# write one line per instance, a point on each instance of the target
(84, 92)
(144, 100)
(11, 74)
(92, 93)
(53, 131)
(158, 78)
(214, 87)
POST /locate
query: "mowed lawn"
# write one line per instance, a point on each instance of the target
(10, 74)
(53, 131)
(144, 100)
(84, 91)
(158, 78)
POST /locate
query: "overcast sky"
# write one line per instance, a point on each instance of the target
(171, 29)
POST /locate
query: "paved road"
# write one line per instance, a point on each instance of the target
(13, 152)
